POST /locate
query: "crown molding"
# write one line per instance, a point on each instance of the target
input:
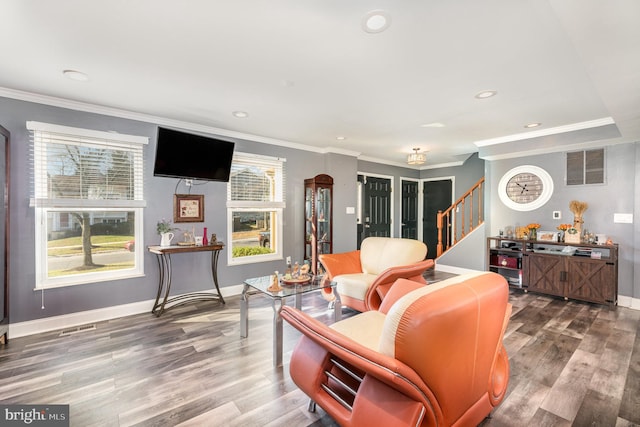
(546, 132)
(162, 121)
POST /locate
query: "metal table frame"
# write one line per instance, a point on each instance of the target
(259, 285)
(163, 301)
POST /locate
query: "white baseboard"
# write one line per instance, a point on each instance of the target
(453, 269)
(31, 327)
(630, 302)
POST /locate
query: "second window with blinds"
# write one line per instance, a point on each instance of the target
(255, 204)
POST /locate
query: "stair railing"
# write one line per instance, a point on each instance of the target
(452, 223)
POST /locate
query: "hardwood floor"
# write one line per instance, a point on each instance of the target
(571, 364)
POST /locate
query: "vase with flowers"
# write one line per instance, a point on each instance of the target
(533, 230)
(165, 230)
(562, 228)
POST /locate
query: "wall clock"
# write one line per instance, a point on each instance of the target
(525, 188)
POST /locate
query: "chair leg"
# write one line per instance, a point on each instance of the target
(312, 406)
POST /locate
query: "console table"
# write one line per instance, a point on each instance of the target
(579, 271)
(163, 254)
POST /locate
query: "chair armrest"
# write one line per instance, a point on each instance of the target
(384, 368)
(342, 263)
(379, 288)
(501, 368)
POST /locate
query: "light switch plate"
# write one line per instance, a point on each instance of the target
(624, 218)
(557, 215)
(351, 210)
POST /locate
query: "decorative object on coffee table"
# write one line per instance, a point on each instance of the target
(275, 283)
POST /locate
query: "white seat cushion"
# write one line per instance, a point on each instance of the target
(354, 285)
(364, 328)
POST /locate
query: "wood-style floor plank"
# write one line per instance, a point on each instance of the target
(572, 363)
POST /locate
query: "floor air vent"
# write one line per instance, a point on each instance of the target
(77, 330)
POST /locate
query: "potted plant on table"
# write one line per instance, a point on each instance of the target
(165, 229)
(533, 230)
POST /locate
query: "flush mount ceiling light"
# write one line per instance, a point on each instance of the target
(532, 125)
(416, 158)
(75, 75)
(240, 114)
(376, 21)
(486, 94)
(341, 138)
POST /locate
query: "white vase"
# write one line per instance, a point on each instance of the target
(165, 238)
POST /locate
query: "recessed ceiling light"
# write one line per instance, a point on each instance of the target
(433, 125)
(532, 125)
(240, 114)
(486, 94)
(75, 75)
(341, 138)
(376, 21)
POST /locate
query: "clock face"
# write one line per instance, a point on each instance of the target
(525, 188)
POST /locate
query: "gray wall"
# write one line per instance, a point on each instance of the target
(190, 272)
(617, 195)
(465, 175)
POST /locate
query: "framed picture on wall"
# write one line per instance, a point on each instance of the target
(188, 208)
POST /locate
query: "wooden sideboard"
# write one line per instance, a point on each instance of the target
(584, 272)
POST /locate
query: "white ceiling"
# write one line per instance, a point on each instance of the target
(306, 72)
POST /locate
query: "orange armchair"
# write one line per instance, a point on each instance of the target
(430, 356)
(364, 276)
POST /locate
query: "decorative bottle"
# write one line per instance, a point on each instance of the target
(205, 241)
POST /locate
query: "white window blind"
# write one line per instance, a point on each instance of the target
(85, 168)
(256, 181)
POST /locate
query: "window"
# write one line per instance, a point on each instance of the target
(585, 167)
(255, 202)
(88, 197)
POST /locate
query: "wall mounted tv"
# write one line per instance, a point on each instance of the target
(184, 155)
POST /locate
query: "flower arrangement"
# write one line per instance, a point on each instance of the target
(564, 227)
(533, 226)
(164, 226)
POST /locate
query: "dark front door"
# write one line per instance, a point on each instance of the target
(376, 207)
(436, 197)
(409, 228)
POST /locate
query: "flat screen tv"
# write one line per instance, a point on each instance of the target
(184, 155)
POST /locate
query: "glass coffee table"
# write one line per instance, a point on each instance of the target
(260, 285)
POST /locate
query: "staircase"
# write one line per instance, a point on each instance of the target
(461, 218)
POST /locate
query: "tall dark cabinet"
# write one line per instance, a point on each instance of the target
(4, 234)
(318, 224)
